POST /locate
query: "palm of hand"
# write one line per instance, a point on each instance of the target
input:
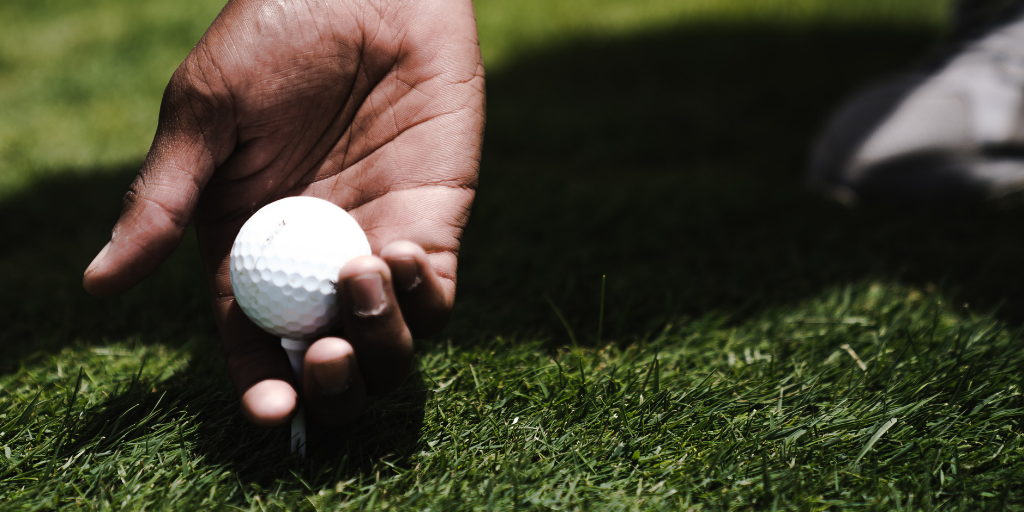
(375, 107)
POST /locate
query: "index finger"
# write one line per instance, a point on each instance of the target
(256, 362)
(258, 367)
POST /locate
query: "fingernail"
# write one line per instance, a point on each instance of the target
(98, 259)
(367, 293)
(405, 273)
(333, 377)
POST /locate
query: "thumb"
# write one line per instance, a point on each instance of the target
(162, 198)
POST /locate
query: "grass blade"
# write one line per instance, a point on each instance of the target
(874, 439)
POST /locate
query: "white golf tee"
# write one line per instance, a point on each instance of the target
(296, 352)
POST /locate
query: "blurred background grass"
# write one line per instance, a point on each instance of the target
(660, 143)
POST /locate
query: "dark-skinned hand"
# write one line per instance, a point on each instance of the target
(374, 105)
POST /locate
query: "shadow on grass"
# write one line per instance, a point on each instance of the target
(51, 232)
(669, 162)
(194, 411)
(672, 163)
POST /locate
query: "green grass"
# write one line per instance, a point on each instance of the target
(759, 347)
(79, 80)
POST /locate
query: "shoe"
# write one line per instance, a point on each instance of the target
(954, 133)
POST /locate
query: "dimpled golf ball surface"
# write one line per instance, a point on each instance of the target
(285, 261)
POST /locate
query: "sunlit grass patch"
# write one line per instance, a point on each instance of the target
(871, 396)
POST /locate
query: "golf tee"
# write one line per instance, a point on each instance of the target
(296, 352)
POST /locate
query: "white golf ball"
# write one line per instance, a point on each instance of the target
(285, 262)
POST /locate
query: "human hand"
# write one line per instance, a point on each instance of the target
(374, 105)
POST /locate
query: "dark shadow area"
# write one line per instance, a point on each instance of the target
(50, 233)
(671, 162)
(200, 405)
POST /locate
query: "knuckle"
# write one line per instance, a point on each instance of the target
(139, 200)
(131, 196)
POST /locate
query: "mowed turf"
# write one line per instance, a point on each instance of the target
(750, 345)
